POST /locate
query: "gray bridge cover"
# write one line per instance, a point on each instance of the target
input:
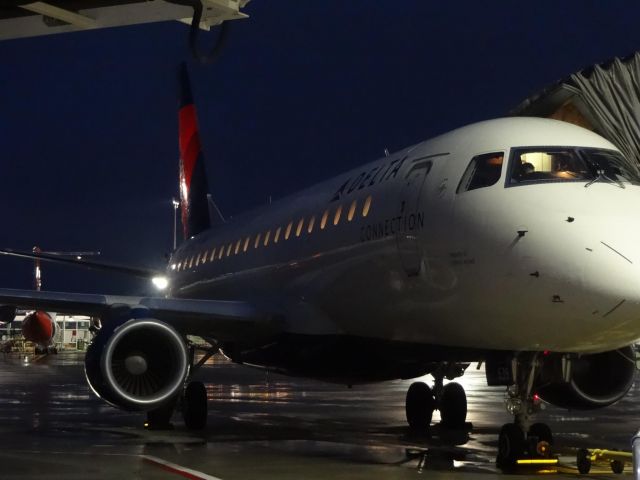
(604, 98)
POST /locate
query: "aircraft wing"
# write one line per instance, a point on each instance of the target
(218, 319)
(80, 261)
(20, 18)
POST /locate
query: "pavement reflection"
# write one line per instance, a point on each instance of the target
(265, 425)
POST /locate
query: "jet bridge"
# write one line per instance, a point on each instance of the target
(20, 18)
(604, 98)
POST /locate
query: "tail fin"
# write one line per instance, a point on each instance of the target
(193, 177)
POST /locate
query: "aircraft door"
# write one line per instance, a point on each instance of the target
(409, 223)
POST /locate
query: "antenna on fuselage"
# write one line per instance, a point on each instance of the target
(386, 152)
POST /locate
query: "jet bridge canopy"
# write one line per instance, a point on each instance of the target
(604, 98)
(20, 18)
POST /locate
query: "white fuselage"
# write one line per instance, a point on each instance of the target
(542, 266)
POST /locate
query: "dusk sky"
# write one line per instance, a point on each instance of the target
(302, 92)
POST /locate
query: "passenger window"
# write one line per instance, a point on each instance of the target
(483, 171)
(299, 227)
(229, 249)
(179, 265)
(336, 217)
(257, 241)
(191, 261)
(323, 221)
(266, 237)
(352, 210)
(198, 260)
(237, 249)
(288, 231)
(277, 236)
(246, 244)
(221, 252)
(213, 254)
(366, 207)
(311, 223)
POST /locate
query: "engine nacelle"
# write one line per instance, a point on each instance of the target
(138, 365)
(586, 381)
(38, 327)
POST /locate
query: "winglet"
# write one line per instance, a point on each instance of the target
(193, 178)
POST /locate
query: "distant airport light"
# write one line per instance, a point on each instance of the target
(160, 282)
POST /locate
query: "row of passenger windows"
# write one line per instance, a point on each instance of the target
(297, 228)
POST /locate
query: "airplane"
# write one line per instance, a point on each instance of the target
(510, 242)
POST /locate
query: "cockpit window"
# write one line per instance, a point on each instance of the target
(483, 171)
(569, 164)
(548, 165)
(613, 166)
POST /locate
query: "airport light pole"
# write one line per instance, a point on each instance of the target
(176, 204)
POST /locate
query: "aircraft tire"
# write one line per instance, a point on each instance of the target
(510, 446)
(194, 409)
(419, 406)
(583, 460)
(453, 405)
(617, 466)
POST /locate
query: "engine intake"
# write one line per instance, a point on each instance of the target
(587, 381)
(139, 365)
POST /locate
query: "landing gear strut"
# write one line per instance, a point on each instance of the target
(521, 438)
(450, 399)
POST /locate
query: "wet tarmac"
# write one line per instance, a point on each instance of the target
(264, 426)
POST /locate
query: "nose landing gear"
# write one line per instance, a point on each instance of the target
(521, 438)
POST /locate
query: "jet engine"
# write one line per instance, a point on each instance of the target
(586, 381)
(38, 327)
(138, 365)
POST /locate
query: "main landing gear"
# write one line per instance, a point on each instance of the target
(192, 402)
(449, 399)
(521, 438)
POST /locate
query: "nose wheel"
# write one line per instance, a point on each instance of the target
(521, 438)
(510, 445)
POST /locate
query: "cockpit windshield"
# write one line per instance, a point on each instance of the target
(562, 164)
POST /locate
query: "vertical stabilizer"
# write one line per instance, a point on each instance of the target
(193, 178)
